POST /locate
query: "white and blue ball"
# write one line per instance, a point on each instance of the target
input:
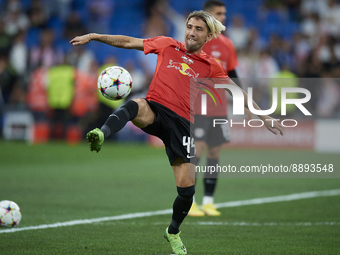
(115, 83)
(10, 214)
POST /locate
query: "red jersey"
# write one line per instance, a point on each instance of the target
(223, 50)
(170, 85)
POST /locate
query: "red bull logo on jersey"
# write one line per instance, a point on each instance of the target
(183, 68)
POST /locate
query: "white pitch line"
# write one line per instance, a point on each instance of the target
(264, 224)
(296, 196)
(90, 221)
(255, 201)
(255, 224)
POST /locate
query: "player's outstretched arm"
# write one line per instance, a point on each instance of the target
(119, 41)
(271, 124)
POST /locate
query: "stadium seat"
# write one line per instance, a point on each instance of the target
(33, 37)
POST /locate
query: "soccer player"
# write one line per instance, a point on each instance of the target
(206, 136)
(166, 111)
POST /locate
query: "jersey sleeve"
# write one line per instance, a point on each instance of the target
(156, 44)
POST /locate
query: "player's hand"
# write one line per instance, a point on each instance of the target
(80, 40)
(273, 125)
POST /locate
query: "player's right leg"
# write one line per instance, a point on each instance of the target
(137, 110)
(185, 189)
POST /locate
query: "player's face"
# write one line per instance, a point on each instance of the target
(196, 35)
(219, 12)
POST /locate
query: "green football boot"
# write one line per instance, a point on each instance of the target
(175, 242)
(96, 138)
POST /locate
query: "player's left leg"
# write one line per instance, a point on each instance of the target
(137, 110)
(185, 189)
(210, 181)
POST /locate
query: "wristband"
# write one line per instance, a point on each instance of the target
(89, 37)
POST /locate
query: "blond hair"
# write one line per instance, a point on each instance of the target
(214, 26)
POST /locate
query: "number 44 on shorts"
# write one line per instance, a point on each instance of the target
(189, 144)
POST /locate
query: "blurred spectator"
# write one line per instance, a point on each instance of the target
(18, 56)
(301, 50)
(46, 54)
(310, 70)
(81, 58)
(313, 27)
(84, 104)
(313, 6)
(329, 96)
(149, 5)
(274, 44)
(5, 39)
(154, 26)
(336, 71)
(284, 56)
(293, 7)
(14, 18)
(238, 33)
(37, 91)
(99, 15)
(37, 14)
(138, 79)
(37, 102)
(177, 19)
(272, 4)
(312, 66)
(247, 59)
(275, 8)
(328, 52)
(256, 42)
(58, 8)
(74, 26)
(246, 63)
(60, 93)
(332, 17)
(267, 66)
(8, 81)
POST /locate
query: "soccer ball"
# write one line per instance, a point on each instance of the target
(10, 214)
(114, 83)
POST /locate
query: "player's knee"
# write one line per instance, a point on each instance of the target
(145, 115)
(139, 101)
(186, 194)
(130, 109)
(141, 104)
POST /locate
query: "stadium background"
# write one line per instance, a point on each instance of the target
(292, 39)
(54, 182)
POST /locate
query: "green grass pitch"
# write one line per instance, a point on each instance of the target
(58, 183)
